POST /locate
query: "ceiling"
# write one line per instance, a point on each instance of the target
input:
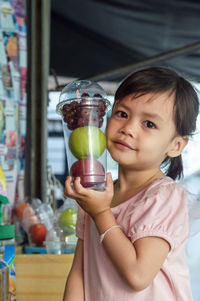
(91, 37)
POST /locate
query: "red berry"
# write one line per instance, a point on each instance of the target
(94, 121)
(97, 95)
(65, 119)
(70, 127)
(95, 111)
(81, 122)
(102, 105)
(78, 110)
(101, 113)
(85, 95)
(85, 112)
(70, 121)
(73, 104)
(100, 121)
(66, 107)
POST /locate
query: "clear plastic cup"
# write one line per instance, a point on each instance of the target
(83, 106)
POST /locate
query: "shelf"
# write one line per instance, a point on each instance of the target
(42, 277)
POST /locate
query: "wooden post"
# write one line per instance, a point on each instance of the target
(38, 36)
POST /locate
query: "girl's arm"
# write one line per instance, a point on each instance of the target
(74, 289)
(136, 263)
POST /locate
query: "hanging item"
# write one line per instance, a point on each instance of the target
(13, 76)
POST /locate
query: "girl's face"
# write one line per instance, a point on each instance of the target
(141, 131)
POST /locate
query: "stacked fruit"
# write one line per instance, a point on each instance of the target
(87, 141)
(77, 114)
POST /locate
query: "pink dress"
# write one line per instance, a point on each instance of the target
(158, 210)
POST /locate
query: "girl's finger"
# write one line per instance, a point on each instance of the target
(68, 180)
(109, 182)
(78, 187)
(69, 191)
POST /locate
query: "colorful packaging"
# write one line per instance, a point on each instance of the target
(9, 258)
(7, 234)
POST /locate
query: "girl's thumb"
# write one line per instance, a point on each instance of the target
(109, 181)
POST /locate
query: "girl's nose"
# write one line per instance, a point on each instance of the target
(128, 129)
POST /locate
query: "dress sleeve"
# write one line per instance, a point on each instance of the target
(80, 223)
(163, 213)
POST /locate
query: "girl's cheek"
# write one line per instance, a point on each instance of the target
(107, 127)
(106, 130)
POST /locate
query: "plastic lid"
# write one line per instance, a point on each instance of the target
(76, 89)
(7, 232)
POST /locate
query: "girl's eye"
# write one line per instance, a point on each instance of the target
(149, 124)
(121, 114)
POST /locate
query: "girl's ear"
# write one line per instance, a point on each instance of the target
(177, 146)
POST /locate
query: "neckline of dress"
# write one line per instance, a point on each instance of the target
(140, 192)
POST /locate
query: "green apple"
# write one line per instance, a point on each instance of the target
(87, 141)
(68, 217)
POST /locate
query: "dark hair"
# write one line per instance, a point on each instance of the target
(186, 103)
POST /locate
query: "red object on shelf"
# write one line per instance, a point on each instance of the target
(38, 233)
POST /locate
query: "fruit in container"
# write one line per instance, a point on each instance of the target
(87, 141)
(68, 217)
(84, 112)
(29, 218)
(38, 233)
(91, 172)
(19, 209)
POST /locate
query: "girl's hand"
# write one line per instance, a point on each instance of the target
(91, 201)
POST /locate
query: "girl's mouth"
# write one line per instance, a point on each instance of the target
(123, 145)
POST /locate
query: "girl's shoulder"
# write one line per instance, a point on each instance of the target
(165, 197)
(164, 192)
(159, 191)
(164, 187)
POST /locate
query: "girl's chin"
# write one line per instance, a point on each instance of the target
(121, 160)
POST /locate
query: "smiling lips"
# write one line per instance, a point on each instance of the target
(123, 145)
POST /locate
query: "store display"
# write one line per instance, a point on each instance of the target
(61, 238)
(7, 258)
(36, 218)
(19, 209)
(4, 276)
(13, 77)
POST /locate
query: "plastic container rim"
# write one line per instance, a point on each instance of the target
(89, 99)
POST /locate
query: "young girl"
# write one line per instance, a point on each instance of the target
(132, 235)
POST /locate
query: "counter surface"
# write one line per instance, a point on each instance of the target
(42, 277)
